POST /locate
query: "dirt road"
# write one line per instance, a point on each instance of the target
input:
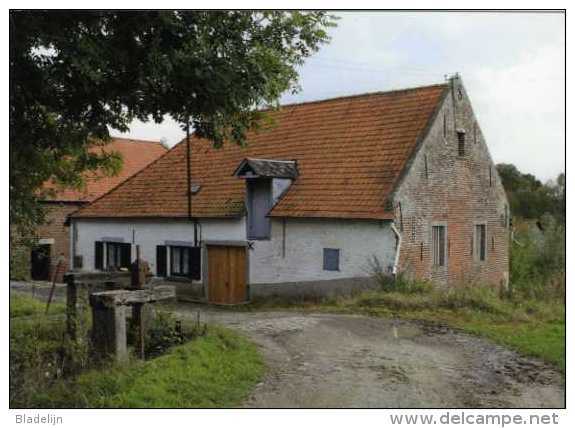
(321, 360)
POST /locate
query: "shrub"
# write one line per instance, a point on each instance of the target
(474, 297)
(537, 261)
(162, 334)
(399, 283)
(19, 257)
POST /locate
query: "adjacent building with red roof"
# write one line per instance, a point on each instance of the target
(54, 236)
(321, 197)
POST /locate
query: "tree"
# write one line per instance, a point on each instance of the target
(74, 75)
(528, 197)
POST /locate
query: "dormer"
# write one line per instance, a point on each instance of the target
(266, 181)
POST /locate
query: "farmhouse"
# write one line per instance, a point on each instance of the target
(53, 236)
(329, 189)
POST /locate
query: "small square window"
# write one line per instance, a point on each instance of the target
(331, 259)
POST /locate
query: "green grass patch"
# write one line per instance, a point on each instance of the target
(216, 370)
(22, 305)
(36, 356)
(545, 340)
(213, 367)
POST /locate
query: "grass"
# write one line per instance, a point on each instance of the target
(36, 357)
(216, 370)
(22, 305)
(531, 327)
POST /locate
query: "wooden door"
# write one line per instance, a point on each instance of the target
(227, 272)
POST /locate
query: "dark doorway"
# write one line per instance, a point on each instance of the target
(40, 261)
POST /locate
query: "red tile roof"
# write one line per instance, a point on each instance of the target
(350, 152)
(136, 154)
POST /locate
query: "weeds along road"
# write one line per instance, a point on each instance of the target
(322, 360)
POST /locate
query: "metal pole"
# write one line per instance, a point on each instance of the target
(189, 170)
(189, 180)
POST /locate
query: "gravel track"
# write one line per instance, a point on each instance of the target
(324, 360)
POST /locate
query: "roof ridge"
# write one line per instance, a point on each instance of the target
(271, 160)
(125, 181)
(364, 94)
(139, 140)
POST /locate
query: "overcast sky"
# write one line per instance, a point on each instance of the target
(512, 64)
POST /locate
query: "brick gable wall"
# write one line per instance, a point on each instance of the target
(55, 228)
(443, 188)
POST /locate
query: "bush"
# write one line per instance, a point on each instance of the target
(19, 260)
(166, 331)
(475, 297)
(537, 261)
(398, 283)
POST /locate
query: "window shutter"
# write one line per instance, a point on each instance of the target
(161, 261)
(196, 263)
(99, 255)
(442, 246)
(125, 255)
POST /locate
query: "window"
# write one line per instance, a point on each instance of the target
(161, 261)
(461, 143)
(331, 259)
(480, 242)
(444, 125)
(185, 261)
(259, 202)
(475, 132)
(112, 255)
(438, 242)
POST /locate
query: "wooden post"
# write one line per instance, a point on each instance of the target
(54, 276)
(77, 308)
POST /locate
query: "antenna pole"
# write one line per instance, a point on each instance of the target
(189, 169)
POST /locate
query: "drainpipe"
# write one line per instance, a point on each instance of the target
(397, 249)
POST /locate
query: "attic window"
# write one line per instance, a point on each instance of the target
(461, 143)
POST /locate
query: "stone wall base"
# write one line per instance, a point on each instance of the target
(194, 292)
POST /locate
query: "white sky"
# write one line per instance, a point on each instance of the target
(512, 64)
